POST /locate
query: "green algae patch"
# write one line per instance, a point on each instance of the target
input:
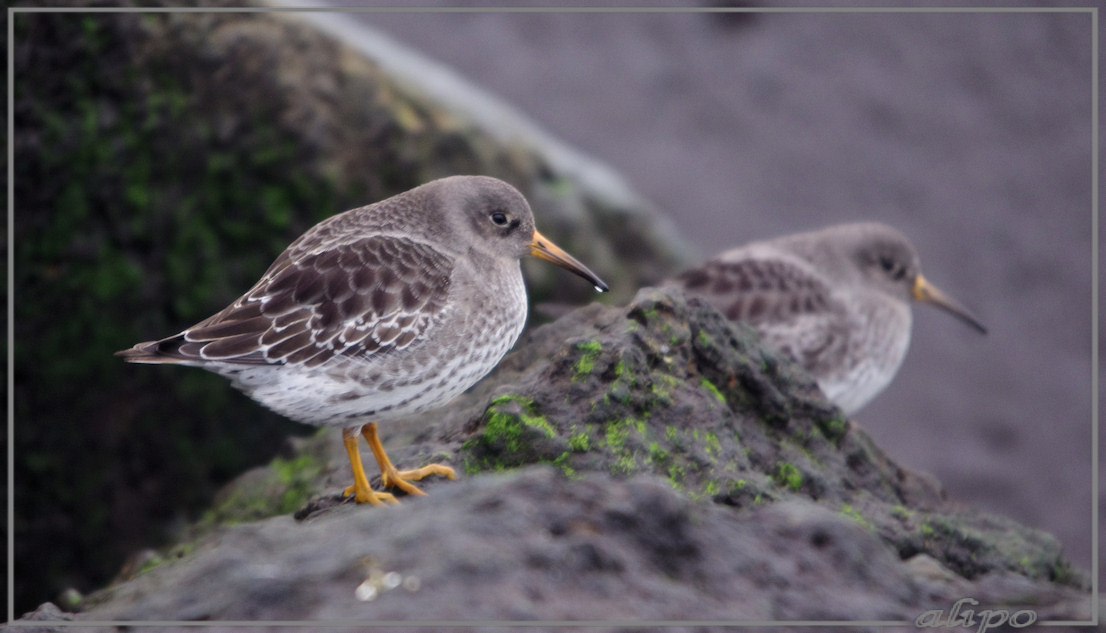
(671, 435)
(700, 417)
(658, 456)
(513, 432)
(852, 513)
(714, 391)
(281, 487)
(586, 363)
(834, 428)
(788, 476)
(579, 442)
(624, 440)
(508, 424)
(711, 445)
(620, 369)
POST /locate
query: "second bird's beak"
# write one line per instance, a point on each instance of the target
(928, 293)
(542, 248)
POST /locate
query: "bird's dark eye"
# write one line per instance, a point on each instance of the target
(499, 218)
(892, 268)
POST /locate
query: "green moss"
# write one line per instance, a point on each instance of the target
(562, 463)
(709, 386)
(586, 362)
(660, 393)
(712, 445)
(661, 386)
(297, 476)
(619, 430)
(616, 436)
(625, 464)
(676, 476)
(620, 369)
(510, 423)
(150, 564)
(505, 425)
(672, 436)
(282, 488)
(788, 476)
(668, 379)
(854, 514)
(504, 429)
(579, 442)
(706, 339)
(657, 455)
(133, 196)
(615, 440)
(622, 388)
(834, 428)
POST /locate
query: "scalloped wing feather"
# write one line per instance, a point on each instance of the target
(358, 299)
(777, 292)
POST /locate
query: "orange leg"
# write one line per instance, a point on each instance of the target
(390, 477)
(360, 489)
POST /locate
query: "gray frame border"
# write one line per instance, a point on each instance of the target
(1095, 174)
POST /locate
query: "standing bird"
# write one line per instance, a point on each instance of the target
(380, 312)
(836, 300)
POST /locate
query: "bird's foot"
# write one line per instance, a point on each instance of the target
(392, 478)
(370, 496)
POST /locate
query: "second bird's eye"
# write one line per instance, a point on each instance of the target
(892, 268)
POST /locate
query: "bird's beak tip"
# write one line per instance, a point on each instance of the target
(926, 292)
(542, 248)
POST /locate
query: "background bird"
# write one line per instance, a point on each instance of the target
(837, 300)
(380, 312)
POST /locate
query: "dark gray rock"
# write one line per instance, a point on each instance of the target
(533, 545)
(667, 386)
(795, 121)
(642, 462)
(646, 462)
(162, 161)
(530, 544)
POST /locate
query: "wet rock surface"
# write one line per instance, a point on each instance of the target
(533, 544)
(162, 161)
(643, 462)
(640, 462)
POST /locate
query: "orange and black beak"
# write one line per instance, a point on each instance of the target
(542, 248)
(928, 293)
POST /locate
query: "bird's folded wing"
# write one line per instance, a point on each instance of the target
(794, 311)
(360, 299)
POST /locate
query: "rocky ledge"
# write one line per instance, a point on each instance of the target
(644, 462)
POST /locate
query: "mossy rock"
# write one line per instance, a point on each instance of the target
(666, 386)
(162, 161)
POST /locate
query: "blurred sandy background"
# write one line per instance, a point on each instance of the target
(971, 132)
